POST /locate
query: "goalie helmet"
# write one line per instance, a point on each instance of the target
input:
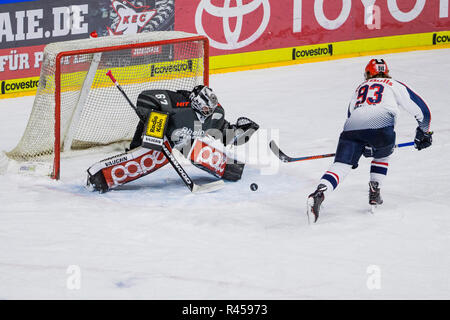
(204, 100)
(376, 67)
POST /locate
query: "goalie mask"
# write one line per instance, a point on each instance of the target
(203, 100)
(376, 68)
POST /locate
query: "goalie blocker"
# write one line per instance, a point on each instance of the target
(115, 171)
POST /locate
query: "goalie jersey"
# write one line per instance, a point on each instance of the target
(184, 122)
(376, 103)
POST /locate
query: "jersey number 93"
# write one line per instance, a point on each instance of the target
(372, 94)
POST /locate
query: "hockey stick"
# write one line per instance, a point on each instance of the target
(110, 75)
(285, 158)
(167, 151)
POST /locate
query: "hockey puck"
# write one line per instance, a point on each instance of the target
(253, 187)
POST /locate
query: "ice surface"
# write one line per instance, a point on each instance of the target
(152, 239)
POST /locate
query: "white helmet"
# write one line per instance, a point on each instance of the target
(204, 100)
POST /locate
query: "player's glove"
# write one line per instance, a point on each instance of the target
(246, 124)
(244, 129)
(423, 139)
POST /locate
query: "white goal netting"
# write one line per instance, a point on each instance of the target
(92, 111)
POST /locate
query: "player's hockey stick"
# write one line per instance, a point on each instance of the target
(167, 151)
(285, 158)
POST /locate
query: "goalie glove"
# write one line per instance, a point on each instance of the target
(243, 130)
(423, 139)
(246, 124)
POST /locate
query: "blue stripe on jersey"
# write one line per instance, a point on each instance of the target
(425, 124)
(330, 179)
(380, 170)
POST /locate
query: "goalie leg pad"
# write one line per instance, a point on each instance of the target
(211, 157)
(233, 171)
(208, 157)
(97, 182)
(123, 168)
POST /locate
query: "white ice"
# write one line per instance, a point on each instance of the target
(152, 239)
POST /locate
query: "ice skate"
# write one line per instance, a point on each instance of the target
(315, 199)
(374, 195)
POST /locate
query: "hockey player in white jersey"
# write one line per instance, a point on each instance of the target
(369, 131)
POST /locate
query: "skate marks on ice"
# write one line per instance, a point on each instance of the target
(161, 188)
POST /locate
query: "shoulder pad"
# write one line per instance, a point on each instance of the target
(147, 99)
(217, 116)
(156, 99)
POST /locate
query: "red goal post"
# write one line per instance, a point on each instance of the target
(78, 106)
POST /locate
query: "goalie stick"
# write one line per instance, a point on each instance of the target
(285, 158)
(167, 151)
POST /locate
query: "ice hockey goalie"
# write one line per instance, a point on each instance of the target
(195, 126)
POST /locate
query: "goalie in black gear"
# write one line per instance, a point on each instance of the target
(196, 127)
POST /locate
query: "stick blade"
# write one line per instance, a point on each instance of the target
(208, 187)
(283, 157)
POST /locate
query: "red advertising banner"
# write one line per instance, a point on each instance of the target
(235, 26)
(232, 26)
(21, 62)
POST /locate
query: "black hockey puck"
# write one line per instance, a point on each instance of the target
(254, 187)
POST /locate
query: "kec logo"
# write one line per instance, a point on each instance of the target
(133, 169)
(226, 12)
(131, 19)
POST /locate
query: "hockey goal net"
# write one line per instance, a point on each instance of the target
(77, 107)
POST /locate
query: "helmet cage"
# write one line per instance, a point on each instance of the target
(204, 100)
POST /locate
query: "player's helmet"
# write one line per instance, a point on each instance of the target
(375, 68)
(204, 100)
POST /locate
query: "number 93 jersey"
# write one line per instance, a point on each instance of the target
(376, 103)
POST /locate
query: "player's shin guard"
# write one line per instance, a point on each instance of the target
(208, 155)
(123, 168)
(335, 175)
(379, 169)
